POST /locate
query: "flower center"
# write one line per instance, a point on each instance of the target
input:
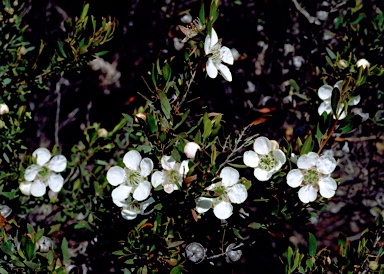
(134, 206)
(311, 177)
(172, 176)
(134, 177)
(43, 173)
(267, 162)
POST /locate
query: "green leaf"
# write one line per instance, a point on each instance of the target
(64, 250)
(165, 106)
(177, 269)
(39, 234)
(307, 146)
(350, 123)
(174, 244)
(255, 225)
(329, 61)
(152, 123)
(319, 134)
(61, 48)
(207, 126)
(31, 265)
(312, 245)
(167, 72)
(85, 11)
(6, 81)
(335, 101)
(237, 234)
(101, 53)
(289, 254)
(30, 229)
(202, 13)
(330, 53)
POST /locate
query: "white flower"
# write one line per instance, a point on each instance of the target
(192, 30)
(218, 54)
(266, 158)
(363, 63)
(325, 94)
(134, 208)
(172, 175)
(4, 109)
(313, 174)
(231, 192)
(190, 149)
(44, 173)
(131, 179)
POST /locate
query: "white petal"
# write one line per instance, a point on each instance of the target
(327, 187)
(146, 203)
(354, 101)
(116, 175)
(211, 68)
(157, 178)
(31, 172)
(128, 215)
(325, 106)
(225, 72)
(190, 149)
(183, 170)
(38, 188)
(132, 159)
(226, 55)
(213, 186)
(294, 178)
(168, 163)
(223, 210)
(308, 160)
(58, 163)
(25, 188)
(325, 92)
(142, 191)
(43, 155)
(55, 182)
(214, 38)
(230, 176)
(203, 204)
(169, 188)
(279, 157)
(120, 194)
(326, 164)
(146, 166)
(251, 159)
(307, 194)
(207, 45)
(262, 175)
(237, 194)
(339, 85)
(262, 145)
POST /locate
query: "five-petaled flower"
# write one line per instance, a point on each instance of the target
(131, 179)
(134, 208)
(216, 56)
(230, 191)
(44, 173)
(325, 94)
(313, 174)
(266, 158)
(172, 175)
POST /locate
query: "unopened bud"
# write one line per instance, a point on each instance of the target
(141, 116)
(342, 63)
(102, 132)
(23, 50)
(4, 109)
(373, 265)
(190, 149)
(363, 63)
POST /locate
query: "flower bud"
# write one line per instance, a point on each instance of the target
(102, 132)
(4, 109)
(190, 149)
(141, 116)
(363, 63)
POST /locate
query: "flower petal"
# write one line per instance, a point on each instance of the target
(327, 187)
(262, 145)
(31, 172)
(167, 162)
(339, 85)
(128, 215)
(223, 210)
(184, 168)
(325, 92)
(225, 72)
(203, 204)
(58, 163)
(211, 68)
(354, 101)
(262, 175)
(120, 194)
(43, 155)
(251, 159)
(169, 188)
(157, 178)
(38, 188)
(308, 160)
(307, 194)
(237, 194)
(325, 106)
(229, 176)
(326, 164)
(142, 191)
(116, 175)
(55, 182)
(146, 166)
(279, 156)
(294, 178)
(132, 159)
(226, 55)
(25, 188)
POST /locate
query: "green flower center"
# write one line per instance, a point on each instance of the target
(267, 162)
(172, 176)
(43, 173)
(311, 177)
(134, 177)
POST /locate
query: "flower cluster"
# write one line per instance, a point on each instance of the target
(313, 174)
(44, 173)
(266, 158)
(230, 191)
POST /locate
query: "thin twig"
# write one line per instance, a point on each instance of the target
(187, 91)
(62, 81)
(359, 139)
(310, 18)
